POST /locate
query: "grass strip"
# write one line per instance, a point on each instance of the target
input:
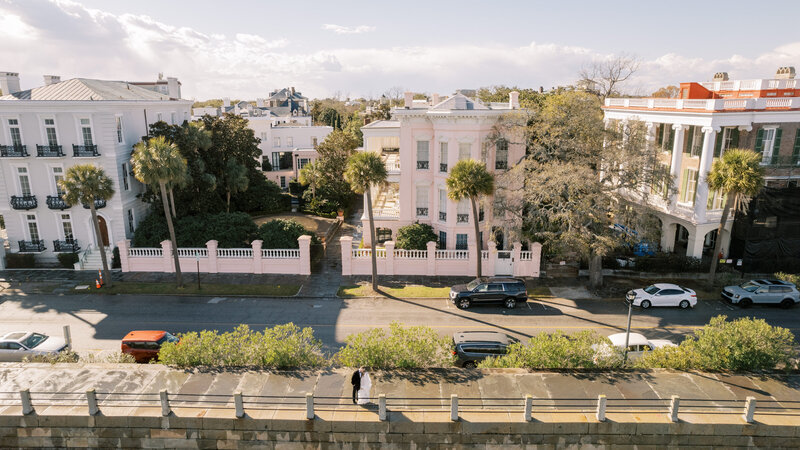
(410, 291)
(134, 287)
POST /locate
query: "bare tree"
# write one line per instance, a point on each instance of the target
(604, 77)
(395, 93)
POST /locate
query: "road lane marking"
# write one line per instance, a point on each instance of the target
(216, 300)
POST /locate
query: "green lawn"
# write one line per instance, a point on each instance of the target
(411, 291)
(540, 291)
(132, 287)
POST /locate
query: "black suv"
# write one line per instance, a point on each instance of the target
(472, 347)
(507, 291)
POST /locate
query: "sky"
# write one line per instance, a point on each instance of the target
(245, 49)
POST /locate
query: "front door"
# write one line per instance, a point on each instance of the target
(504, 264)
(103, 230)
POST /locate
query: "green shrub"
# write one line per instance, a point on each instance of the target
(558, 351)
(400, 348)
(68, 260)
(262, 196)
(282, 233)
(320, 206)
(20, 261)
(415, 236)
(791, 278)
(67, 356)
(282, 347)
(230, 230)
(669, 262)
(744, 344)
(116, 262)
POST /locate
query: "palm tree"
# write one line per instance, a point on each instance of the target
(310, 175)
(739, 176)
(365, 169)
(235, 179)
(158, 162)
(85, 183)
(470, 179)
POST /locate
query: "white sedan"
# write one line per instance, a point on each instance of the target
(663, 294)
(638, 345)
(18, 345)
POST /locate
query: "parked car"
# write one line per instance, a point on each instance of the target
(18, 345)
(663, 294)
(638, 345)
(506, 291)
(144, 345)
(472, 347)
(772, 292)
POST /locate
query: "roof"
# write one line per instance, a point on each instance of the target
(458, 102)
(144, 335)
(284, 94)
(383, 124)
(618, 339)
(461, 337)
(85, 89)
(667, 286)
(15, 335)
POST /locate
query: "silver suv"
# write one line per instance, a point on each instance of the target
(768, 292)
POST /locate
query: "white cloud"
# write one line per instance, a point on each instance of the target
(339, 29)
(67, 39)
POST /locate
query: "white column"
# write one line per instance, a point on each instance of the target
(701, 197)
(675, 164)
(694, 247)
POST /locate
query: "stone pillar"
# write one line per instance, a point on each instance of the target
(257, 267)
(701, 195)
(389, 266)
(305, 254)
(675, 163)
(667, 236)
(211, 247)
(431, 258)
(167, 263)
(536, 258)
(123, 246)
(516, 252)
(694, 247)
(491, 262)
(473, 253)
(347, 255)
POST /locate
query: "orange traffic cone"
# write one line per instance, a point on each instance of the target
(100, 273)
(97, 283)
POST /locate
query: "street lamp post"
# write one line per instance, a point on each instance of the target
(629, 300)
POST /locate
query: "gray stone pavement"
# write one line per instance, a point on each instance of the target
(425, 389)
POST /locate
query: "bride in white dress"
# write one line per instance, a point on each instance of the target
(366, 385)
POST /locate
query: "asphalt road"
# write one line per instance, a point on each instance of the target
(98, 322)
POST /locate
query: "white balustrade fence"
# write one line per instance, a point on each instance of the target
(212, 259)
(433, 262)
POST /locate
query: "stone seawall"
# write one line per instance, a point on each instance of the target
(61, 427)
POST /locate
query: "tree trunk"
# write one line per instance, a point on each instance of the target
(718, 244)
(229, 201)
(477, 234)
(372, 241)
(172, 203)
(99, 236)
(178, 275)
(595, 270)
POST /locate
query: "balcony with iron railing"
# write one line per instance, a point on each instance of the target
(49, 151)
(422, 212)
(501, 165)
(442, 216)
(32, 246)
(66, 246)
(781, 161)
(24, 202)
(422, 165)
(13, 151)
(98, 203)
(80, 151)
(392, 162)
(462, 218)
(56, 202)
(443, 167)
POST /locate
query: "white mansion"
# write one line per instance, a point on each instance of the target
(47, 129)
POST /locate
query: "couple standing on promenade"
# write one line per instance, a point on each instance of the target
(361, 386)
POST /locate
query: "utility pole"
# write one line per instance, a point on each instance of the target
(629, 300)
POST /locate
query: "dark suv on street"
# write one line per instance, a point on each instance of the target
(507, 291)
(775, 292)
(472, 347)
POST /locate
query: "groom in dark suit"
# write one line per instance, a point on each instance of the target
(355, 380)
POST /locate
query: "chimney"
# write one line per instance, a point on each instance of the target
(292, 90)
(785, 73)
(173, 87)
(721, 76)
(9, 82)
(51, 79)
(260, 102)
(541, 89)
(409, 99)
(226, 101)
(436, 99)
(513, 100)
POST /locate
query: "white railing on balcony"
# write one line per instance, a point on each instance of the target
(749, 85)
(452, 254)
(193, 252)
(615, 102)
(386, 213)
(695, 104)
(779, 103)
(280, 253)
(525, 256)
(234, 253)
(734, 104)
(411, 254)
(638, 102)
(665, 103)
(484, 254)
(146, 252)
